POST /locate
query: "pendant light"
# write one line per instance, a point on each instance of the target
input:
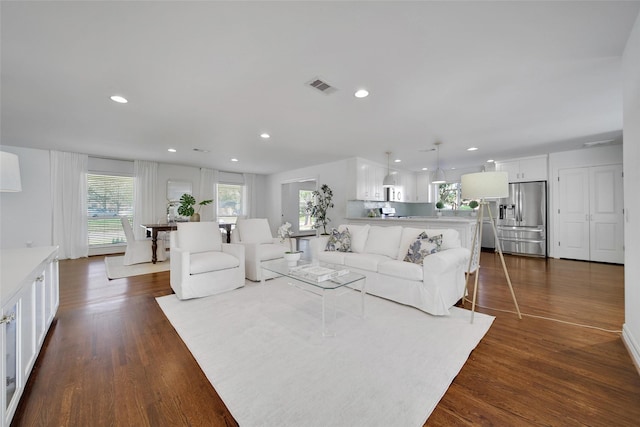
(439, 177)
(389, 180)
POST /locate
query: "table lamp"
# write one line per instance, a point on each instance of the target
(482, 186)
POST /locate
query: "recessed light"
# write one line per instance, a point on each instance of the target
(172, 150)
(119, 99)
(361, 93)
(490, 161)
(397, 161)
(234, 160)
(265, 135)
(472, 148)
(425, 169)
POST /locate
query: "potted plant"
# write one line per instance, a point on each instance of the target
(319, 206)
(473, 205)
(284, 232)
(439, 206)
(186, 208)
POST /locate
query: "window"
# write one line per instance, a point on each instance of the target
(304, 219)
(451, 196)
(109, 197)
(230, 202)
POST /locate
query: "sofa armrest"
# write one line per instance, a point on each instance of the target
(446, 260)
(317, 245)
(180, 262)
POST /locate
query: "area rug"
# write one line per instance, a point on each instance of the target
(116, 269)
(262, 349)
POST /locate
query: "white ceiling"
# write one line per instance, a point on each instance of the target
(511, 78)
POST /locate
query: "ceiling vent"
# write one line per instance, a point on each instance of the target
(322, 86)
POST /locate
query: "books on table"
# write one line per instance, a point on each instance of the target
(318, 273)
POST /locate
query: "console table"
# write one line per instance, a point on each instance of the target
(29, 299)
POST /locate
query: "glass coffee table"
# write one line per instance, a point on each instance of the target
(322, 279)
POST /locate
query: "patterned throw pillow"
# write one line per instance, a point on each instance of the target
(339, 241)
(422, 247)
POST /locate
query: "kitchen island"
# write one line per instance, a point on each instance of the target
(465, 226)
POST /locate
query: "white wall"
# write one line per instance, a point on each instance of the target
(333, 174)
(26, 216)
(631, 94)
(596, 156)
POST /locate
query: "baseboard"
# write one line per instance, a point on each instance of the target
(632, 346)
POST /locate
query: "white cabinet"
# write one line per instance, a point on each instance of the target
(405, 187)
(590, 214)
(29, 299)
(525, 169)
(366, 182)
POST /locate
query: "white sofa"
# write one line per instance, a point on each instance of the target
(255, 235)
(379, 253)
(201, 265)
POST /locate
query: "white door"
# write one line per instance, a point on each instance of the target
(573, 215)
(605, 218)
(590, 217)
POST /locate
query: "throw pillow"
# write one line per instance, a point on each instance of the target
(339, 241)
(422, 247)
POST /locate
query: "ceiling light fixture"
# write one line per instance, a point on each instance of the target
(234, 159)
(397, 161)
(119, 99)
(472, 148)
(389, 180)
(172, 150)
(439, 177)
(361, 93)
(265, 135)
(490, 161)
(425, 169)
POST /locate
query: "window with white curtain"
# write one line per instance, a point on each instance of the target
(108, 198)
(230, 202)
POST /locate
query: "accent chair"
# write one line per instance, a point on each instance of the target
(139, 251)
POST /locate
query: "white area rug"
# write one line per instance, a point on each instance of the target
(261, 348)
(116, 270)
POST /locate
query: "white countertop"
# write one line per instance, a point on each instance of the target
(19, 264)
(462, 219)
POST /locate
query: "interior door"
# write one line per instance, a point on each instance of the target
(573, 213)
(606, 222)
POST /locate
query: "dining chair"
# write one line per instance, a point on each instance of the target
(139, 251)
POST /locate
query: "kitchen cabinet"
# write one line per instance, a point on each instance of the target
(366, 180)
(29, 299)
(525, 169)
(405, 187)
(590, 214)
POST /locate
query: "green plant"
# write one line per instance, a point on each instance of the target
(473, 204)
(440, 205)
(318, 207)
(187, 202)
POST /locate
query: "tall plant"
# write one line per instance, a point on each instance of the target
(318, 207)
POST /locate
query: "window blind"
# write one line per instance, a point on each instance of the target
(109, 197)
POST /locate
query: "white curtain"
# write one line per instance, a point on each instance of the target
(144, 195)
(69, 202)
(208, 179)
(252, 206)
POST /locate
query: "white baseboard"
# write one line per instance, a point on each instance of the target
(632, 346)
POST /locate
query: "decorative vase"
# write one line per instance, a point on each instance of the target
(195, 217)
(292, 257)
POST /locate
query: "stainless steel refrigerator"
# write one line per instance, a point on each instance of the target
(522, 219)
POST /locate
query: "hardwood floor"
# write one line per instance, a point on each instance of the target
(112, 358)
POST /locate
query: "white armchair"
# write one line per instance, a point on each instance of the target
(255, 235)
(201, 264)
(139, 251)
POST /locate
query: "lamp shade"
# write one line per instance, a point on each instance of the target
(439, 177)
(389, 181)
(485, 185)
(9, 173)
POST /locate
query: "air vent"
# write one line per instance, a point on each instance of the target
(322, 86)
(201, 150)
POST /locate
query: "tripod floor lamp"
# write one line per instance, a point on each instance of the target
(482, 186)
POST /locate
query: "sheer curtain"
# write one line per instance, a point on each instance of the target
(144, 195)
(249, 184)
(69, 202)
(208, 179)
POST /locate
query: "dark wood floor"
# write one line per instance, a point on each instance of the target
(112, 358)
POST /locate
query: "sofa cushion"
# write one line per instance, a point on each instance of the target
(254, 230)
(269, 251)
(359, 235)
(450, 239)
(367, 262)
(204, 262)
(401, 269)
(383, 241)
(339, 241)
(199, 236)
(422, 247)
(332, 257)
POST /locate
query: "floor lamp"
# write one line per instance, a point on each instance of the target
(482, 186)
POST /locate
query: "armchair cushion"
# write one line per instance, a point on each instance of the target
(198, 237)
(204, 262)
(254, 230)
